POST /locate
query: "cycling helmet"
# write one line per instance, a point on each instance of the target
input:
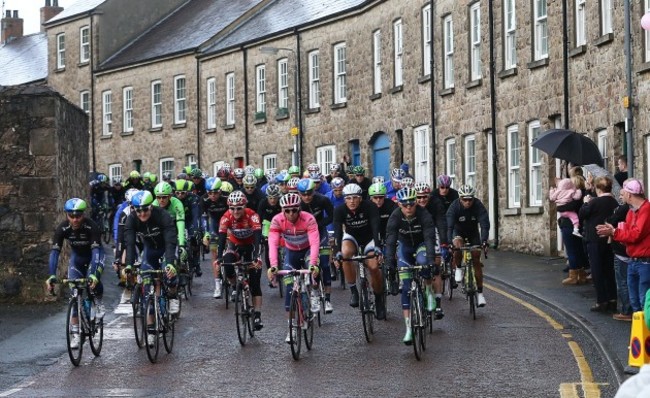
(306, 185)
(164, 188)
(237, 198)
(167, 176)
(273, 191)
(258, 173)
(378, 179)
(180, 176)
(102, 178)
(466, 191)
(377, 189)
(407, 182)
(142, 198)
(226, 187)
(238, 173)
(128, 195)
(183, 185)
(249, 181)
(227, 167)
(117, 180)
(75, 205)
(187, 170)
(282, 178)
(406, 194)
(422, 188)
(134, 174)
(335, 167)
(313, 167)
(294, 170)
(443, 181)
(146, 175)
(315, 176)
(197, 173)
(352, 190)
(397, 174)
(293, 183)
(213, 184)
(249, 170)
(290, 200)
(359, 170)
(153, 178)
(337, 182)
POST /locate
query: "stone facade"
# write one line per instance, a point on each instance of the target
(44, 141)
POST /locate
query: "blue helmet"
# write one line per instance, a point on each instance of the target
(75, 205)
(142, 198)
(406, 194)
(306, 185)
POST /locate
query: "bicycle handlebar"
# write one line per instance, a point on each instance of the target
(359, 257)
(293, 271)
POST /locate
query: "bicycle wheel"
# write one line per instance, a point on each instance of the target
(106, 230)
(152, 337)
(249, 312)
(226, 291)
(295, 324)
(74, 353)
(96, 335)
(281, 286)
(321, 314)
(416, 314)
(308, 319)
(448, 281)
(139, 323)
(240, 315)
(472, 304)
(367, 312)
(425, 320)
(168, 329)
(190, 281)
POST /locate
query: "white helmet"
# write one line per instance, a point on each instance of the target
(129, 194)
(352, 190)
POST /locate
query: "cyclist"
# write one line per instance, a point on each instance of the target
(323, 211)
(158, 233)
(299, 230)
(463, 219)
(294, 171)
(134, 180)
(240, 230)
(99, 197)
(87, 258)
(149, 181)
(377, 193)
(268, 209)
(175, 208)
(413, 227)
(261, 178)
(394, 184)
(361, 222)
(238, 177)
(336, 170)
(439, 216)
(253, 194)
(361, 180)
(192, 209)
(118, 237)
(292, 185)
(116, 193)
(445, 193)
(322, 187)
(199, 182)
(213, 206)
(336, 194)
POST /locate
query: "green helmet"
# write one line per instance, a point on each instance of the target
(183, 185)
(213, 184)
(294, 170)
(134, 174)
(197, 173)
(163, 189)
(146, 175)
(187, 170)
(258, 173)
(359, 170)
(75, 205)
(226, 187)
(153, 178)
(377, 189)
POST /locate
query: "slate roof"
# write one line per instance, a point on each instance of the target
(282, 15)
(184, 30)
(23, 60)
(78, 7)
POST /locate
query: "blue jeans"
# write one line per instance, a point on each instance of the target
(573, 248)
(638, 281)
(623, 293)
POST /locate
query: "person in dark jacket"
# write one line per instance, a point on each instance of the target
(620, 267)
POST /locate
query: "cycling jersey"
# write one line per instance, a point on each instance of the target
(212, 211)
(465, 222)
(192, 213)
(158, 233)
(243, 231)
(85, 243)
(446, 200)
(437, 211)
(362, 224)
(254, 199)
(299, 235)
(410, 232)
(176, 209)
(321, 208)
(385, 211)
(116, 195)
(266, 213)
(199, 188)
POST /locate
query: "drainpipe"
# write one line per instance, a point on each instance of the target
(301, 132)
(91, 120)
(198, 113)
(565, 61)
(246, 143)
(629, 125)
(493, 124)
(432, 90)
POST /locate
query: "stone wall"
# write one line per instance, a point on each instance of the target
(44, 161)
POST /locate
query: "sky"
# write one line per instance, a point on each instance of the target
(29, 11)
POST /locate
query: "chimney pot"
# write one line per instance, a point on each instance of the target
(15, 14)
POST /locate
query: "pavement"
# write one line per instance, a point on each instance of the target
(533, 276)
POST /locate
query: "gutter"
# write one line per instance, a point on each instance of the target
(246, 139)
(299, 99)
(629, 125)
(493, 124)
(198, 113)
(565, 61)
(432, 88)
(91, 120)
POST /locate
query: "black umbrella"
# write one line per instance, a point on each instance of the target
(570, 146)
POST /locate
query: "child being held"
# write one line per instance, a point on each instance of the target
(566, 192)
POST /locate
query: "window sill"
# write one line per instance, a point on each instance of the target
(474, 83)
(511, 212)
(340, 105)
(375, 97)
(155, 129)
(604, 39)
(397, 89)
(312, 110)
(447, 91)
(538, 64)
(229, 127)
(645, 67)
(424, 79)
(533, 210)
(259, 121)
(179, 125)
(106, 136)
(59, 70)
(578, 51)
(82, 64)
(507, 73)
(126, 133)
(282, 117)
(210, 130)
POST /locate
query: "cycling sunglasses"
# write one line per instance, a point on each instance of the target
(142, 209)
(291, 210)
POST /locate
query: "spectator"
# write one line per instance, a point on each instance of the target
(573, 247)
(564, 193)
(621, 175)
(620, 267)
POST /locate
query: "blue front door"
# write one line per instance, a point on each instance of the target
(381, 156)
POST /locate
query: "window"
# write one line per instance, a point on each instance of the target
(541, 30)
(84, 101)
(107, 113)
(450, 159)
(534, 166)
(470, 160)
(260, 73)
(270, 161)
(180, 100)
(514, 185)
(646, 34)
(283, 83)
(606, 17)
(340, 84)
(602, 145)
(60, 51)
(212, 103)
(216, 166)
(191, 161)
(230, 99)
(156, 104)
(167, 166)
(426, 40)
(448, 37)
(421, 147)
(397, 36)
(376, 62)
(127, 100)
(325, 156)
(510, 38)
(581, 27)
(475, 41)
(114, 171)
(314, 80)
(84, 44)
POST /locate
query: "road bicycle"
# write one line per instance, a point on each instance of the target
(366, 295)
(244, 310)
(447, 275)
(336, 272)
(468, 284)
(104, 217)
(301, 319)
(157, 307)
(421, 320)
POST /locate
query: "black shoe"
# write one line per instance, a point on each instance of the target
(151, 329)
(394, 287)
(271, 285)
(439, 313)
(198, 272)
(257, 322)
(354, 298)
(454, 284)
(380, 306)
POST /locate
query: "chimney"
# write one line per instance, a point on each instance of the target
(12, 27)
(48, 12)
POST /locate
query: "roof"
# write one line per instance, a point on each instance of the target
(281, 16)
(78, 7)
(24, 60)
(184, 30)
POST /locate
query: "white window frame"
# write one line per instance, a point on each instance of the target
(450, 159)
(376, 62)
(164, 166)
(602, 138)
(230, 99)
(469, 147)
(127, 105)
(606, 17)
(581, 22)
(270, 161)
(107, 112)
(60, 51)
(398, 47)
(426, 40)
(514, 164)
(422, 151)
(156, 104)
(283, 83)
(211, 97)
(84, 101)
(541, 29)
(340, 74)
(314, 79)
(191, 161)
(448, 51)
(510, 34)
(475, 42)
(646, 34)
(535, 177)
(260, 88)
(216, 166)
(84, 44)
(114, 170)
(325, 156)
(180, 99)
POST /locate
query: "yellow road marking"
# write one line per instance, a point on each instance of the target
(555, 324)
